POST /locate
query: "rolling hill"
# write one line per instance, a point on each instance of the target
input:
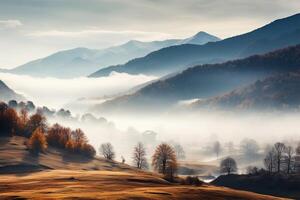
(83, 61)
(278, 34)
(207, 81)
(279, 91)
(56, 175)
(7, 94)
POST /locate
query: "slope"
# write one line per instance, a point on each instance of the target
(278, 34)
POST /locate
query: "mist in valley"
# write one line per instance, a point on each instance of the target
(197, 132)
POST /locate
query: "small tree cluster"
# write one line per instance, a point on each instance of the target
(282, 159)
(40, 135)
(78, 143)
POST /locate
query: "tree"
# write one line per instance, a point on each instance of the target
(269, 160)
(228, 165)
(217, 148)
(35, 121)
(107, 151)
(139, 156)
(297, 159)
(9, 121)
(289, 158)
(279, 150)
(249, 148)
(164, 160)
(179, 151)
(37, 142)
(23, 120)
(58, 136)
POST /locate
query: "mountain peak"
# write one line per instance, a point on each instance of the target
(200, 38)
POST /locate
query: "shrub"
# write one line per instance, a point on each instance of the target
(37, 142)
(88, 150)
(192, 180)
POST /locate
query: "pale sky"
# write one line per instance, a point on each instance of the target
(31, 29)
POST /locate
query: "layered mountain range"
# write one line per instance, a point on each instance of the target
(278, 34)
(83, 61)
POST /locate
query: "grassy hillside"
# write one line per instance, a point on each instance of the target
(56, 174)
(61, 184)
(16, 158)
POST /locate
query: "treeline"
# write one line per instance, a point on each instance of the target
(279, 159)
(163, 161)
(282, 158)
(40, 135)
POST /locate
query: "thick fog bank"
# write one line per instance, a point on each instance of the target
(55, 93)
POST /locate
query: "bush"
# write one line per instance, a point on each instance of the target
(192, 180)
(88, 150)
(37, 142)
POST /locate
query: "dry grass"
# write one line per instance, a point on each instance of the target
(72, 177)
(70, 184)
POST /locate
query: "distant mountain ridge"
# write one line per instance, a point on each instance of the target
(207, 81)
(7, 94)
(83, 61)
(276, 92)
(278, 34)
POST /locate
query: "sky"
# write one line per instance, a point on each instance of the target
(31, 29)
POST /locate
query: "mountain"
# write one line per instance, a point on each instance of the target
(278, 34)
(200, 38)
(279, 91)
(83, 61)
(207, 81)
(7, 94)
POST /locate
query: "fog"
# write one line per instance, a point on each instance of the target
(56, 93)
(195, 131)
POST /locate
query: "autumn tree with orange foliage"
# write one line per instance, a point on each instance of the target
(23, 121)
(164, 160)
(58, 136)
(8, 121)
(36, 121)
(37, 142)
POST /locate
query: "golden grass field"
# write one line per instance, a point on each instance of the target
(57, 175)
(75, 184)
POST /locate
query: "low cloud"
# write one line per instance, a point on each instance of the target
(55, 92)
(8, 24)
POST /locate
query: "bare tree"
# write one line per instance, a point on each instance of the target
(217, 148)
(139, 156)
(289, 158)
(107, 151)
(279, 150)
(269, 160)
(164, 160)
(228, 165)
(297, 159)
(180, 154)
